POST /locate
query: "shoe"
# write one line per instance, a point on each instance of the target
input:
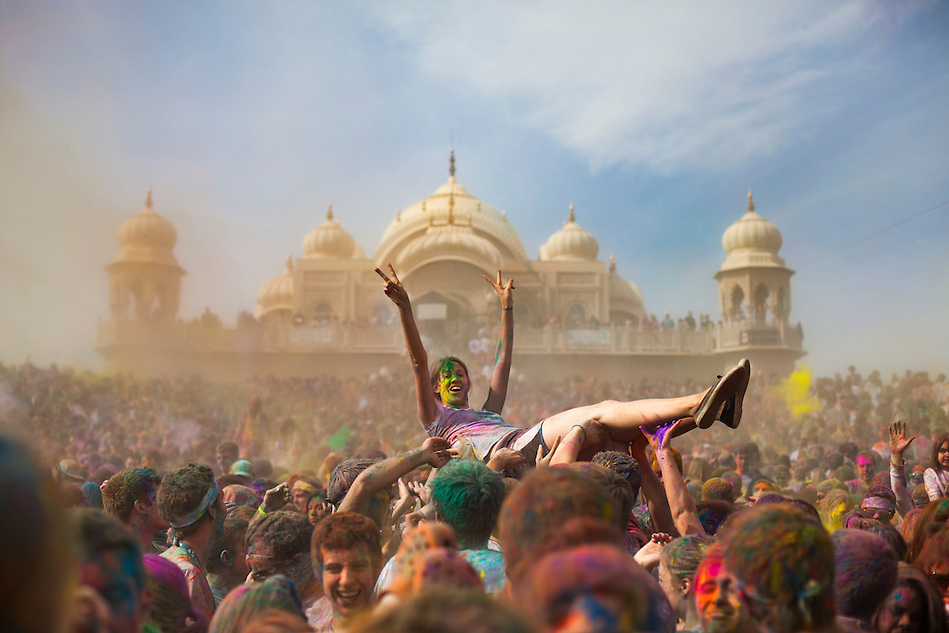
(716, 397)
(731, 412)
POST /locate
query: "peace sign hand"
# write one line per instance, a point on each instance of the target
(394, 289)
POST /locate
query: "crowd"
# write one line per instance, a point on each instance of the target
(321, 504)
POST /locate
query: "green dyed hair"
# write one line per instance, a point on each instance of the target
(468, 495)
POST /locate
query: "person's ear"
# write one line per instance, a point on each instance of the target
(686, 586)
(140, 507)
(226, 558)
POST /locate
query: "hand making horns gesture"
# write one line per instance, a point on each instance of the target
(503, 290)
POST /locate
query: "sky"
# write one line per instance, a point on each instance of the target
(654, 119)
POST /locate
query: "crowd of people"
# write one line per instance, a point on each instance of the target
(322, 504)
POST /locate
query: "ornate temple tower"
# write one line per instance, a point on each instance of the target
(754, 285)
(144, 276)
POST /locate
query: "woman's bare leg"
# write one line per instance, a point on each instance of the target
(621, 420)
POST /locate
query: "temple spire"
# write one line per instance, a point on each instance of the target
(148, 198)
(612, 263)
(329, 213)
(751, 202)
(572, 217)
(290, 263)
(451, 163)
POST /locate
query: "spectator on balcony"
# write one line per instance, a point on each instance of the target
(689, 322)
(667, 323)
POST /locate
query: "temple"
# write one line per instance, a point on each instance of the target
(326, 313)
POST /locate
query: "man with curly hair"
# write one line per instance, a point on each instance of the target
(190, 500)
(279, 543)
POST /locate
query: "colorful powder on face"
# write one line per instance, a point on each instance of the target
(796, 392)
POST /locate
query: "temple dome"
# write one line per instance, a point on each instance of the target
(752, 241)
(449, 241)
(329, 241)
(752, 232)
(571, 243)
(277, 293)
(146, 237)
(454, 200)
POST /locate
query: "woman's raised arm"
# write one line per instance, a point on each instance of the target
(497, 393)
(427, 410)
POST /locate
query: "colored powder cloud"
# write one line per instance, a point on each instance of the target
(796, 392)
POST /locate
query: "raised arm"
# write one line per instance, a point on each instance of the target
(382, 474)
(898, 446)
(497, 393)
(427, 411)
(652, 489)
(681, 504)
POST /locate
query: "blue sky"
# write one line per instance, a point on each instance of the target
(654, 119)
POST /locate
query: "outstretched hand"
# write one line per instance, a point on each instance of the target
(542, 461)
(393, 288)
(659, 439)
(404, 503)
(422, 491)
(503, 290)
(276, 497)
(437, 451)
(649, 554)
(504, 458)
(898, 441)
(464, 449)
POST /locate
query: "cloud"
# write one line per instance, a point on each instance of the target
(659, 85)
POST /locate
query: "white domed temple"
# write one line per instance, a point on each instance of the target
(326, 311)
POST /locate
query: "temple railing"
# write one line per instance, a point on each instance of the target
(606, 339)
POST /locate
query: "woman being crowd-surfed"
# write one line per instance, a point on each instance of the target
(443, 410)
